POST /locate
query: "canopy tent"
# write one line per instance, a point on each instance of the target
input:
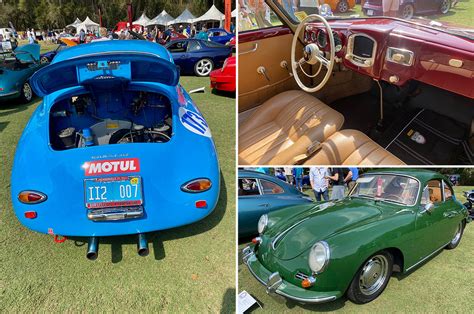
(88, 24)
(74, 24)
(142, 21)
(185, 17)
(213, 14)
(161, 19)
(234, 13)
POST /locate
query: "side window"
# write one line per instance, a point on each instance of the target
(256, 14)
(270, 187)
(434, 191)
(248, 187)
(448, 193)
(179, 46)
(193, 46)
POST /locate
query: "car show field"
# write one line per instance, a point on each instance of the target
(40, 275)
(438, 285)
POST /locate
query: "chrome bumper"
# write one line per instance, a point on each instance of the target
(111, 214)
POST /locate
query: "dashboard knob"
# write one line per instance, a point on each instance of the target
(398, 57)
(393, 79)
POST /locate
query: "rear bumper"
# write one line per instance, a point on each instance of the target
(221, 81)
(275, 284)
(9, 95)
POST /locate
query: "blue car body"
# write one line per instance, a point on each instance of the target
(109, 78)
(16, 68)
(187, 52)
(253, 204)
(219, 35)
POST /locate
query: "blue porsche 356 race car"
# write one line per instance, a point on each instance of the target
(117, 147)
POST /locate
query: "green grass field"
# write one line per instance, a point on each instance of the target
(191, 268)
(443, 284)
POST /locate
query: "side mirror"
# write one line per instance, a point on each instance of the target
(428, 207)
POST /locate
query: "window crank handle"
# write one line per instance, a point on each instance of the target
(261, 70)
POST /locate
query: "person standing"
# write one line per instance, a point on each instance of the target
(318, 177)
(289, 175)
(390, 7)
(203, 34)
(31, 38)
(82, 36)
(167, 34)
(337, 179)
(351, 177)
(298, 172)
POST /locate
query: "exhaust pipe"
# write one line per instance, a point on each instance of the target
(92, 248)
(142, 245)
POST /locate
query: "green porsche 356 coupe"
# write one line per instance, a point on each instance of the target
(392, 221)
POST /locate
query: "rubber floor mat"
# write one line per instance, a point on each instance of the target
(430, 138)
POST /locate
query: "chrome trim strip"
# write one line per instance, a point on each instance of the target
(277, 238)
(185, 189)
(9, 94)
(411, 53)
(426, 257)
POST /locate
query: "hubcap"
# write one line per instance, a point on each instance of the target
(204, 67)
(27, 91)
(444, 6)
(373, 275)
(44, 60)
(457, 235)
(407, 12)
(343, 7)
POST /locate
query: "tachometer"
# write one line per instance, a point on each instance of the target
(337, 41)
(322, 39)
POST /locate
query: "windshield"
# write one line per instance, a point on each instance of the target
(387, 187)
(447, 16)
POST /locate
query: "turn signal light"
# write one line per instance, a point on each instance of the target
(31, 197)
(201, 204)
(196, 185)
(308, 282)
(257, 240)
(30, 215)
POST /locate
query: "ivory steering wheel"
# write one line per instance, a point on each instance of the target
(312, 55)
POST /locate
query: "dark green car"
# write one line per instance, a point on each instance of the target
(392, 221)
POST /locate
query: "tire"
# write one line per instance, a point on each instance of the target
(407, 11)
(44, 60)
(342, 6)
(26, 93)
(445, 6)
(365, 287)
(203, 67)
(457, 236)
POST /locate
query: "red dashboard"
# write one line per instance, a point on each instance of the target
(397, 51)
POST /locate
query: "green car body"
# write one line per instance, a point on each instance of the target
(354, 229)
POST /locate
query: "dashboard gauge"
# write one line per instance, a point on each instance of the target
(322, 39)
(313, 36)
(337, 41)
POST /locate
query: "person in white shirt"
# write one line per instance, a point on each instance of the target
(318, 177)
(289, 175)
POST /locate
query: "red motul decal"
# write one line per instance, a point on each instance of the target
(114, 166)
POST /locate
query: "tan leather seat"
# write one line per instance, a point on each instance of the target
(352, 147)
(285, 126)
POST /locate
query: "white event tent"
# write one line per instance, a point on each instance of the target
(143, 20)
(74, 24)
(185, 17)
(88, 24)
(161, 19)
(213, 14)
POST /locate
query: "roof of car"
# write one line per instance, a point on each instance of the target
(421, 174)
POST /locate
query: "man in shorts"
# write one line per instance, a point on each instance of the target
(390, 7)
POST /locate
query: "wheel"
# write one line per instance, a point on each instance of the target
(457, 237)
(44, 60)
(371, 279)
(445, 6)
(203, 67)
(342, 6)
(407, 11)
(26, 93)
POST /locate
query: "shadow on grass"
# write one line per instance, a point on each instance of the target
(155, 239)
(223, 93)
(228, 301)
(14, 106)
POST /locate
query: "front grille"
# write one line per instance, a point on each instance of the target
(301, 276)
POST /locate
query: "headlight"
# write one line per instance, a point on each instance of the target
(262, 223)
(319, 257)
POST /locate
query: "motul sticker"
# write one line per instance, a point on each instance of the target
(114, 166)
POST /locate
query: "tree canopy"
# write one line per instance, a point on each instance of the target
(53, 14)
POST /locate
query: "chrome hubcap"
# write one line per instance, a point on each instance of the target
(444, 6)
(457, 235)
(44, 60)
(204, 67)
(27, 91)
(343, 7)
(373, 275)
(407, 12)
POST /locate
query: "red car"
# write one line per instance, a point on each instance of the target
(223, 79)
(174, 36)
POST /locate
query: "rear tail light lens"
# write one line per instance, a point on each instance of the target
(197, 185)
(31, 197)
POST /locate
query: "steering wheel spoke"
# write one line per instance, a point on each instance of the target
(321, 58)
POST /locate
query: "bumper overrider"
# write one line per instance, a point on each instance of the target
(277, 285)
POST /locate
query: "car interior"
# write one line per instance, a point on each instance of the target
(354, 91)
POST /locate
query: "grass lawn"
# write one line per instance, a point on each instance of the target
(190, 268)
(443, 284)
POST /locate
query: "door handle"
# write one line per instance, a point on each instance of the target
(255, 47)
(264, 205)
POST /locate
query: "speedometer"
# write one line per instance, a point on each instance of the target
(337, 41)
(322, 39)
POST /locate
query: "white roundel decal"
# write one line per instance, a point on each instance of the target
(194, 122)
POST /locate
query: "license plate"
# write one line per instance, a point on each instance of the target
(370, 12)
(113, 192)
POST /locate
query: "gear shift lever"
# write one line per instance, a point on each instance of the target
(380, 122)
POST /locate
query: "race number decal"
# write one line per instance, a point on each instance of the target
(194, 122)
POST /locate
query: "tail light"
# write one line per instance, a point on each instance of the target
(197, 185)
(31, 197)
(201, 204)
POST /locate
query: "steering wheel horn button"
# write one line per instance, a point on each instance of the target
(310, 54)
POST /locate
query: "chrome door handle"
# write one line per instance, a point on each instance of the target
(271, 34)
(255, 47)
(264, 205)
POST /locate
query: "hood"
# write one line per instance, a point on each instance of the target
(28, 53)
(105, 63)
(300, 232)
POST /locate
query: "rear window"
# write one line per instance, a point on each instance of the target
(212, 44)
